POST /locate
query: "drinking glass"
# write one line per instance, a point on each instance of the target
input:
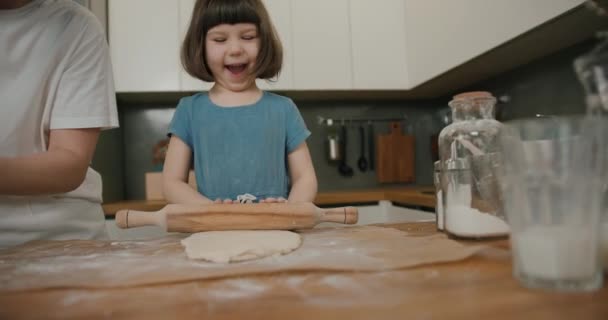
(551, 180)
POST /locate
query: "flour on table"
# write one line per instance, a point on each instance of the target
(232, 246)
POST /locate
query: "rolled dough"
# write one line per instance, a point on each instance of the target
(232, 246)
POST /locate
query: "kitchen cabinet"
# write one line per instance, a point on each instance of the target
(145, 49)
(378, 44)
(144, 45)
(187, 82)
(281, 15)
(321, 45)
(442, 35)
(333, 45)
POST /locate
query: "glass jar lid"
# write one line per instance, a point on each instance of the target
(471, 98)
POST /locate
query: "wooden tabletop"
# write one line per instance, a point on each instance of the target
(480, 287)
(412, 196)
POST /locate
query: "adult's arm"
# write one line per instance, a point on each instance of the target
(62, 168)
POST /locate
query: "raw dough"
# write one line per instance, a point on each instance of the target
(231, 246)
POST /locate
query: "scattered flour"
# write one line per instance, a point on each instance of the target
(347, 291)
(78, 297)
(342, 282)
(295, 281)
(239, 289)
(431, 274)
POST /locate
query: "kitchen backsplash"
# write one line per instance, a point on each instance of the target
(546, 86)
(144, 126)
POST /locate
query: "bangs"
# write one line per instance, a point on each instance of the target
(229, 12)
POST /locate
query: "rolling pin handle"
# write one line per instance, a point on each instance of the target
(351, 215)
(122, 218)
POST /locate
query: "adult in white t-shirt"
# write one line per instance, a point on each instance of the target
(56, 94)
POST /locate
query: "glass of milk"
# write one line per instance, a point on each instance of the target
(604, 192)
(551, 195)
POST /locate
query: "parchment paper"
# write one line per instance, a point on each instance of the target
(110, 264)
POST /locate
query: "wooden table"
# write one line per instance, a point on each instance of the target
(480, 287)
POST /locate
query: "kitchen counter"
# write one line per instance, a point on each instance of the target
(409, 196)
(480, 287)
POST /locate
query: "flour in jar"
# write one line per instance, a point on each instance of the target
(440, 217)
(464, 221)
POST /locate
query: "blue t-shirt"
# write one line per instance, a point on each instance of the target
(238, 150)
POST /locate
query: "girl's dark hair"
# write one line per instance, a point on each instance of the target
(210, 13)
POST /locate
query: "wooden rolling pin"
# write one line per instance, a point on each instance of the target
(249, 216)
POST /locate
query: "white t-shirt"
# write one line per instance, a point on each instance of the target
(55, 73)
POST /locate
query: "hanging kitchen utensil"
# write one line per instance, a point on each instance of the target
(344, 169)
(371, 149)
(334, 152)
(395, 156)
(362, 162)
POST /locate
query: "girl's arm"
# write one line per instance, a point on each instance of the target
(302, 174)
(62, 168)
(175, 175)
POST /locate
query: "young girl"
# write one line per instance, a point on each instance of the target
(240, 139)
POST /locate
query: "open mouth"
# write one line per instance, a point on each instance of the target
(236, 68)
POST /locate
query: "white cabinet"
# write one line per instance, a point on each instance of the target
(280, 14)
(321, 45)
(442, 35)
(144, 45)
(378, 44)
(186, 81)
(330, 45)
(145, 42)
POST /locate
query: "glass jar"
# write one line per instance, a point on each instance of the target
(592, 71)
(468, 149)
(439, 198)
(604, 229)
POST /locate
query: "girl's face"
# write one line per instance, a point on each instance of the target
(232, 51)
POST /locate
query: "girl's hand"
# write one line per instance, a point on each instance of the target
(274, 200)
(225, 201)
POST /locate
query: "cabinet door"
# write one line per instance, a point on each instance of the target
(321, 44)
(444, 34)
(378, 44)
(187, 82)
(280, 14)
(144, 45)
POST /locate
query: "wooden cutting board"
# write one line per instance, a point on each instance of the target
(395, 156)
